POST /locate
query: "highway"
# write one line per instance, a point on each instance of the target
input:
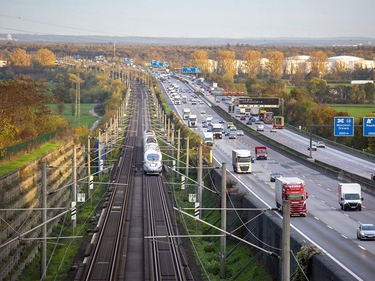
(326, 225)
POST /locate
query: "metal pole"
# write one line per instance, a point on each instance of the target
(199, 180)
(178, 149)
(223, 239)
(285, 257)
(74, 185)
(187, 168)
(88, 166)
(43, 250)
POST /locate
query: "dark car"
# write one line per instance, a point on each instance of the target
(275, 175)
(243, 118)
(366, 231)
(226, 132)
(249, 122)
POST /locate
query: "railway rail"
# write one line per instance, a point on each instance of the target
(137, 207)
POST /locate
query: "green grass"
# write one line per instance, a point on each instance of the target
(85, 119)
(28, 157)
(354, 110)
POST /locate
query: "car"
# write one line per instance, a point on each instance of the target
(249, 122)
(313, 147)
(232, 128)
(260, 128)
(240, 133)
(221, 121)
(253, 119)
(321, 144)
(273, 130)
(243, 118)
(203, 112)
(258, 122)
(226, 132)
(275, 175)
(366, 231)
(232, 135)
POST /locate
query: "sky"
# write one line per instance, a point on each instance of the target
(191, 19)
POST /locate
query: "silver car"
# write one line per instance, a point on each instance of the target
(366, 231)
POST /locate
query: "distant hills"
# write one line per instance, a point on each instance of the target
(134, 40)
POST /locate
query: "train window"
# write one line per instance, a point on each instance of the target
(152, 157)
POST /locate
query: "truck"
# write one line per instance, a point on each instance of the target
(186, 113)
(292, 189)
(278, 122)
(192, 123)
(184, 99)
(241, 161)
(177, 99)
(261, 114)
(217, 130)
(349, 196)
(261, 152)
(208, 138)
(268, 118)
(209, 119)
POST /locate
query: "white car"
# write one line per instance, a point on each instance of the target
(240, 133)
(260, 128)
(203, 112)
(320, 144)
(313, 147)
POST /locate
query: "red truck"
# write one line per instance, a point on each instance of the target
(292, 189)
(261, 152)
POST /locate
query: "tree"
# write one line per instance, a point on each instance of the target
(19, 58)
(318, 89)
(46, 57)
(227, 62)
(252, 63)
(318, 64)
(275, 64)
(200, 59)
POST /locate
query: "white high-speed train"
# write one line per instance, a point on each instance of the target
(152, 158)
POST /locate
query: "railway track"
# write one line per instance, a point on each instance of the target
(137, 207)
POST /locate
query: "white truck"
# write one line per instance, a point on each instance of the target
(209, 119)
(208, 138)
(217, 130)
(177, 99)
(241, 161)
(186, 113)
(192, 123)
(349, 196)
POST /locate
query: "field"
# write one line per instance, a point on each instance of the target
(354, 110)
(85, 119)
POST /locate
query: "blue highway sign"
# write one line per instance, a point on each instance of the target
(343, 126)
(369, 126)
(191, 70)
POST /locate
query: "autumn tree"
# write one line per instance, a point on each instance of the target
(274, 65)
(46, 57)
(19, 58)
(252, 63)
(23, 103)
(318, 64)
(227, 62)
(200, 59)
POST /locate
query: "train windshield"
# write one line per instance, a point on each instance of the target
(153, 157)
